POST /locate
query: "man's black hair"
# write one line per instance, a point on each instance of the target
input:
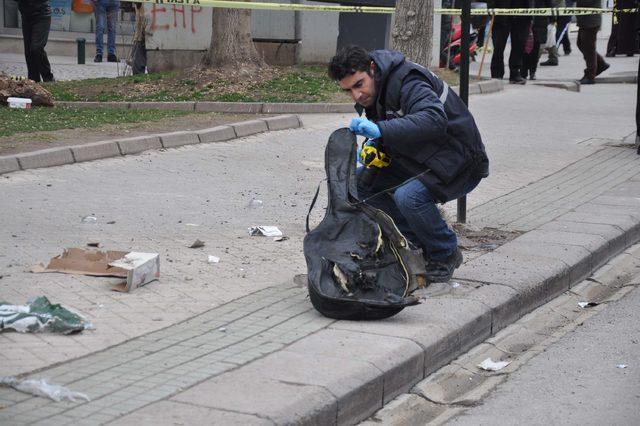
(349, 60)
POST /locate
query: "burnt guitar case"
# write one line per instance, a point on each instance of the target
(360, 266)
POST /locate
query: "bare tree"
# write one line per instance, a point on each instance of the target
(231, 43)
(412, 32)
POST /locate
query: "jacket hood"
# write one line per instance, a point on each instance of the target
(386, 61)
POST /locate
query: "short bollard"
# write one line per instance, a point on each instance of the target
(81, 43)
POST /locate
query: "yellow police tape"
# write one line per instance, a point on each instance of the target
(548, 11)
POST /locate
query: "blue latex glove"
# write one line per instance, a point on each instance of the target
(364, 127)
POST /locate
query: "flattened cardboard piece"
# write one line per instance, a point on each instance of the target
(141, 268)
(85, 262)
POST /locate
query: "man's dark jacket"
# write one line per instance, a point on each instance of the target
(425, 126)
(589, 21)
(34, 9)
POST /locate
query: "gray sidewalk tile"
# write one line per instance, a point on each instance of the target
(250, 127)
(95, 151)
(45, 158)
(283, 122)
(282, 403)
(9, 164)
(138, 144)
(175, 139)
(187, 413)
(216, 134)
(400, 360)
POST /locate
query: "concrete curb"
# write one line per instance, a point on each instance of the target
(115, 148)
(345, 372)
(482, 87)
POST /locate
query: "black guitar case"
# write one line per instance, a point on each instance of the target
(359, 264)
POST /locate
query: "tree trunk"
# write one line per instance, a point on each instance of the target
(231, 43)
(412, 32)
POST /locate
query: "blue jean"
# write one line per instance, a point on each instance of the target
(416, 215)
(106, 10)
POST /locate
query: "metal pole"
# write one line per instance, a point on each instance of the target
(464, 84)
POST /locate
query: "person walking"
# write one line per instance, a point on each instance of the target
(539, 35)
(588, 27)
(553, 58)
(106, 10)
(624, 38)
(436, 151)
(36, 23)
(504, 26)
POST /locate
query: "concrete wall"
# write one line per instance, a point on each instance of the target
(319, 35)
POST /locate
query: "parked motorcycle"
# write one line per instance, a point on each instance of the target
(453, 49)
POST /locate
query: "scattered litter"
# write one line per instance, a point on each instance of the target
(138, 268)
(488, 246)
(267, 231)
(587, 304)
(40, 387)
(621, 366)
(41, 315)
(490, 365)
(222, 329)
(213, 259)
(89, 219)
(283, 238)
(93, 244)
(256, 204)
(84, 262)
(191, 224)
(111, 222)
(21, 103)
(197, 244)
(455, 284)
(142, 268)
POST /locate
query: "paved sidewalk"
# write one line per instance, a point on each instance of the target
(238, 342)
(63, 67)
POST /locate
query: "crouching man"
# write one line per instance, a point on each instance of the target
(435, 150)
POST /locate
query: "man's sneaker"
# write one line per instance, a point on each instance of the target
(549, 62)
(98, 58)
(517, 80)
(441, 272)
(585, 80)
(112, 58)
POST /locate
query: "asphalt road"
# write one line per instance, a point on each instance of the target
(579, 380)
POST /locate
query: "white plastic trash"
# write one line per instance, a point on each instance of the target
(24, 103)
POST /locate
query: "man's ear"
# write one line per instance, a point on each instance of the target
(373, 68)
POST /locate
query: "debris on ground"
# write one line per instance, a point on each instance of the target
(485, 239)
(40, 387)
(85, 262)
(267, 231)
(41, 315)
(142, 268)
(256, 204)
(491, 365)
(621, 366)
(213, 259)
(89, 219)
(282, 238)
(587, 304)
(197, 244)
(138, 268)
(95, 244)
(10, 87)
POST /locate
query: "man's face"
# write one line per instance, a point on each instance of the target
(361, 87)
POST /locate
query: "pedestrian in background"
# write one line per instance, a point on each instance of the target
(36, 22)
(552, 43)
(539, 36)
(562, 36)
(624, 38)
(106, 10)
(588, 27)
(504, 26)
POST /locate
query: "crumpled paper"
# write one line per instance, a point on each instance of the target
(40, 314)
(40, 387)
